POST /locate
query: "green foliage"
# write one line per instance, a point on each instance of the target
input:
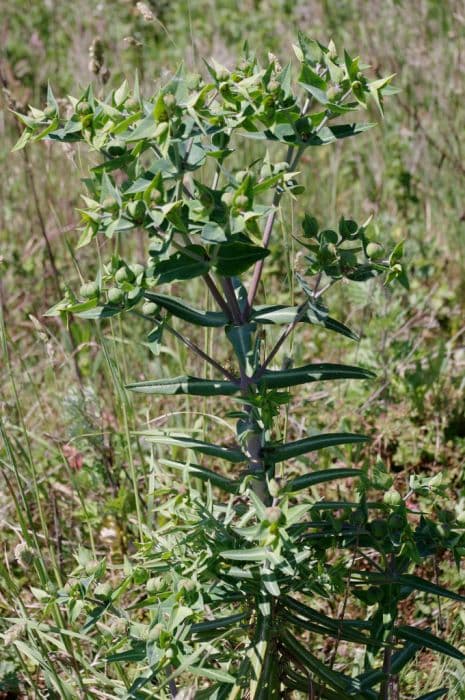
(221, 594)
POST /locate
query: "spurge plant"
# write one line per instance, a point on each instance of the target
(228, 590)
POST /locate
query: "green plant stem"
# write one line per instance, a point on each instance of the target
(268, 230)
(192, 346)
(233, 305)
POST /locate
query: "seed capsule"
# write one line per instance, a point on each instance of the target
(273, 514)
(83, 107)
(115, 295)
(89, 290)
(242, 201)
(149, 308)
(161, 129)
(228, 198)
(132, 105)
(392, 498)
(109, 204)
(374, 250)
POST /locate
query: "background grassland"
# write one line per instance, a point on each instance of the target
(66, 455)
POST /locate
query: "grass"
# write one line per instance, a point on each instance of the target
(73, 473)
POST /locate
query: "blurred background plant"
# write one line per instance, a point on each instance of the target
(66, 450)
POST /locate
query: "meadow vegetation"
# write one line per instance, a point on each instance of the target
(81, 484)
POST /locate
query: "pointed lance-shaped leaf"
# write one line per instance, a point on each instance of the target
(278, 314)
(334, 679)
(407, 581)
(218, 624)
(230, 454)
(180, 309)
(425, 638)
(185, 384)
(319, 477)
(401, 658)
(279, 453)
(204, 474)
(311, 373)
(319, 618)
(349, 635)
(434, 694)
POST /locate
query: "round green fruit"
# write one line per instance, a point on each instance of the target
(50, 112)
(149, 308)
(124, 274)
(169, 101)
(90, 290)
(222, 74)
(378, 529)
(332, 93)
(392, 498)
(109, 204)
(132, 105)
(83, 108)
(227, 198)
(161, 129)
(273, 514)
(242, 201)
(374, 250)
(136, 210)
(115, 295)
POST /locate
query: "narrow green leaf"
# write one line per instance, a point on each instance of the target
(425, 638)
(204, 474)
(289, 450)
(319, 477)
(312, 373)
(185, 385)
(213, 674)
(218, 624)
(316, 314)
(180, 309)
(434, 694)
(401, 658)
(97, 312)
(32, 653)
(407, 580)
(228, 453)
(321, 670)
(136, 654)
(255, 554)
